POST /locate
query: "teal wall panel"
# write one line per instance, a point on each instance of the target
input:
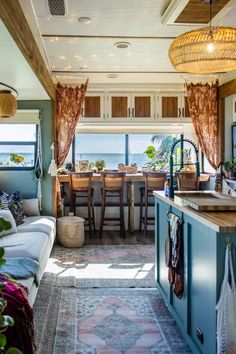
(24, 181)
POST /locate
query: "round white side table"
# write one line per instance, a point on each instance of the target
(70, 231)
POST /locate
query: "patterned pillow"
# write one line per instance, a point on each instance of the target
(4, 200)
(16, 207)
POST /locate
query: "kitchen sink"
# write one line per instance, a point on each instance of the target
(206, 200)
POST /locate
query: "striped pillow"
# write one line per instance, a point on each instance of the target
(4, 200)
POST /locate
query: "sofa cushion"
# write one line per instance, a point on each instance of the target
(45, 224)
(25, 244)
(31, 207)
(16, 207)
(9, 221)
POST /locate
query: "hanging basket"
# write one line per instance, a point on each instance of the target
(8, 104)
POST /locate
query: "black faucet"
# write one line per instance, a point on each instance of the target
(181, 140)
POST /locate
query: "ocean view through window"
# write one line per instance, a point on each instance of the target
(121, 148)
(18, 145)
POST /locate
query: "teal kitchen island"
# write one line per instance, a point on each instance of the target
(205, 235)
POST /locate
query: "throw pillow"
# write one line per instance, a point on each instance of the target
(7, 222)
(31, 207)
(4, 200)
(16, 207)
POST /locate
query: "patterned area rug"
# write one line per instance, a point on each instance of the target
(102, 266)
(105, 321)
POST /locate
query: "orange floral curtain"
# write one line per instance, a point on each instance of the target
(203, 107)
(69, 102)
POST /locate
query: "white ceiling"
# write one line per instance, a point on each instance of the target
(145, 61)
(15, 71)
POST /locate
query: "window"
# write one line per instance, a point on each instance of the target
(138, 144)
(18, 146)
(107, 147)
(126, 149)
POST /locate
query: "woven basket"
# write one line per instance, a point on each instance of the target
(8, 104)
(128, 169)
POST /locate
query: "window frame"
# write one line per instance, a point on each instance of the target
(22, 143)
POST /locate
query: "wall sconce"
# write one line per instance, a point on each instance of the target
(8, 102)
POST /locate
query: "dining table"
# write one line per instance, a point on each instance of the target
(131, 179)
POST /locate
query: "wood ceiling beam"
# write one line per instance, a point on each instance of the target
(14, 19)
(227, 89)
(77, 36)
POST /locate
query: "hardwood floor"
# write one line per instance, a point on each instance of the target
(113, 238)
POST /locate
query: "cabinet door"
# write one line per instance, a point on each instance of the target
(202, 274)
(142, 106)
(185, 107)
(161, 234)
(119, 106)
(170, 106)
(93, 108)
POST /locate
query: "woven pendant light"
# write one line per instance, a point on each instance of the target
(8, 104)
(205, 50)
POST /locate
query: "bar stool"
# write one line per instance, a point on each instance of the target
(153, 181)
(112, 187)
(187, 181)
(80, 187)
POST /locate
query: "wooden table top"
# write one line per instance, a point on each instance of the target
(220, 221)
(137, 177)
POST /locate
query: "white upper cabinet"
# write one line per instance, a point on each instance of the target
(135, 107)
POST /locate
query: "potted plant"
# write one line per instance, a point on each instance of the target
(230, 168)
(100, 164)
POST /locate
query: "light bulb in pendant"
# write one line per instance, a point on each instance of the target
(210, 47)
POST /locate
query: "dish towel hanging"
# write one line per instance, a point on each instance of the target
(174, 255)
(226, 309)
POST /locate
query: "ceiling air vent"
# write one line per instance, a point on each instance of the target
(57, 7)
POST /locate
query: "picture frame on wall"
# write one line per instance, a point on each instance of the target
(234, 140)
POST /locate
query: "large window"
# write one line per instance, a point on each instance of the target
(126, 149)
(18, 146)
(94, 147)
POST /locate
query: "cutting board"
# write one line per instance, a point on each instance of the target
(210, 203)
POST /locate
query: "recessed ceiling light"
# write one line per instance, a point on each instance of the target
(111, 55)
(122, 45)
(112, 75)
(78, 57)
(83, 67)
(62, 57)
(85, 20)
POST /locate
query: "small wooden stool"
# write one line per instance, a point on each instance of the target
(113, 187)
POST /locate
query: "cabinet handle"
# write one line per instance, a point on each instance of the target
(107, 115)
(157, 115)
(129, 112)
(104, 115)
(82, 112)
(133, 112)
(183, 114)
(179, 112)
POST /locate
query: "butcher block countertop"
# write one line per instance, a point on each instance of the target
(220, 221)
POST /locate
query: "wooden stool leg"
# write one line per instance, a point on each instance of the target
(141, 212)
(74, 204)
(89, 216)
(93, 215)
(146, 214)
(122, 217)
(102, 213)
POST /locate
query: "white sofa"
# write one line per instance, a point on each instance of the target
(33, 239)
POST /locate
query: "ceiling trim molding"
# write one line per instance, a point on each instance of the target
(75, 36)
(116, 72)
(13, 17)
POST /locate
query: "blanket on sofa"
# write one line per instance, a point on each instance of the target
(21, 268)
(21, 335)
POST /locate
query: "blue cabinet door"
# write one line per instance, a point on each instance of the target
(161, 228)
(202, 281)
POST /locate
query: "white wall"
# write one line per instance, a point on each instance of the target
(230, 118)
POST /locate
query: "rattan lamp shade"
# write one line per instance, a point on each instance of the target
(190, 52)
(8, 104)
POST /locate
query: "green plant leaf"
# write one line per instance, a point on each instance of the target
(2, 261)
(1, 252)
(3, 340)
(4, 225)
(14, 351)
